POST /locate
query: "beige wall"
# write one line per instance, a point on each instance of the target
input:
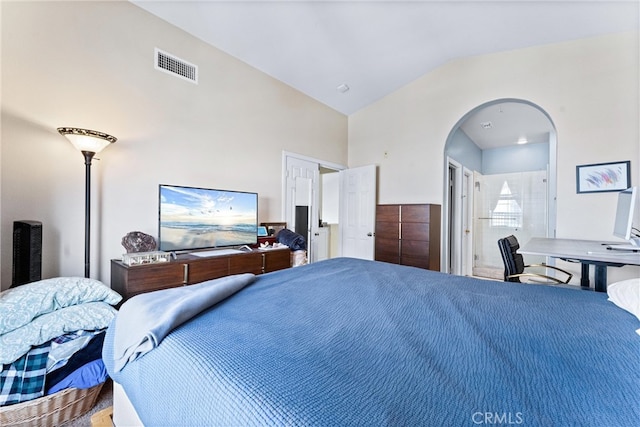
(90, 64)
(589, 88)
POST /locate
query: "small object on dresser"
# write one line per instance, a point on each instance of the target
(137, 241)
(140, 258)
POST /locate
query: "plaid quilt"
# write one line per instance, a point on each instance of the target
(23, 379)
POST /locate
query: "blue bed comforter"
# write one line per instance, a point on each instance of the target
(352, 342)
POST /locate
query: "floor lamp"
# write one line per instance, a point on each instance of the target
(88, 142)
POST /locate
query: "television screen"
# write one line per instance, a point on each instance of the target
(198, 218)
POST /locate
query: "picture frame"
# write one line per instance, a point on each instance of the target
(603, 177)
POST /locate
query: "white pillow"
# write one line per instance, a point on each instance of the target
(626, 295)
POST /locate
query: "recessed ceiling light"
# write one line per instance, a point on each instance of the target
(522, 140)
(343, 88)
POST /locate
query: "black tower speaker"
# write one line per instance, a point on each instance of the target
(27, 252)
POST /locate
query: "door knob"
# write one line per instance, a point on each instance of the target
(369, 234)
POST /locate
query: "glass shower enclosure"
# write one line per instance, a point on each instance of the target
(505, 204)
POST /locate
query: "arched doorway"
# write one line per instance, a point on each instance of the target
(500, 166)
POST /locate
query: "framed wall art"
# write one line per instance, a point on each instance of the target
(601, 177)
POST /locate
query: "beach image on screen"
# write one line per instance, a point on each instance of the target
(193, 218)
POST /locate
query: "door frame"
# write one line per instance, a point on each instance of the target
(321, 163)
(315, 190)
(551, 176)
(467, 230)
(458, 217)
(452, 219)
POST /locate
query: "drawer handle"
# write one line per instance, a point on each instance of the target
(185, 273)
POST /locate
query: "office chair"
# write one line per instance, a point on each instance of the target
(514, 266)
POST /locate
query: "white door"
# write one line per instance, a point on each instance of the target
(302, 189)
(358, 212)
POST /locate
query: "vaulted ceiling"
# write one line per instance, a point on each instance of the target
(349, 54)
(376, 47)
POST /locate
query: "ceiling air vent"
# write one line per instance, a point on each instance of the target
(175, 66)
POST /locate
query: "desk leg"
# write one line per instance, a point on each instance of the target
(601, 278)
(584, 275)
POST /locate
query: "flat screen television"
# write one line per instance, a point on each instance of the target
(193, 218)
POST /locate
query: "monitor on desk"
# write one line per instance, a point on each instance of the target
(623, 226)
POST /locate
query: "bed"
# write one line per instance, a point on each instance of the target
(353, 342)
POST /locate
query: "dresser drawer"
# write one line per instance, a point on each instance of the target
(147, 278)
(387, 250)
(246, 263)
(414, 213)
(415, 231)
(388, 213)
(207, 269)
(415, 248)
(413, 261)
(277, 260)
(388, 230)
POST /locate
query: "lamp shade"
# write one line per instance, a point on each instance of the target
(87, 140)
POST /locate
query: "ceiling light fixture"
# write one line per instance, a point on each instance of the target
(343, 88)
(522, 140)
(486, 125)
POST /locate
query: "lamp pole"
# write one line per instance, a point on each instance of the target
(88, 155)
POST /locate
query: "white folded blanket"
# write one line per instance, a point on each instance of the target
(144, 320)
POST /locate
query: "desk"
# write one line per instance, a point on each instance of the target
(587, 252)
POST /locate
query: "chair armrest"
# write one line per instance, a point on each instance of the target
(544, 276)
(569, 275)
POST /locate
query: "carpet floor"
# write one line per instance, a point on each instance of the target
(104, 400)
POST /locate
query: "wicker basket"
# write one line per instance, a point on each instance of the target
(51, 410)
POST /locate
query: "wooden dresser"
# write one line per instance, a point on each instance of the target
(189, 269)
(408, 235)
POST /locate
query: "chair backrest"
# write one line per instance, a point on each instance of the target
(513, 261)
